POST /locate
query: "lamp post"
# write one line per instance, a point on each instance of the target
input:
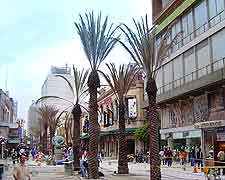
(2, 148)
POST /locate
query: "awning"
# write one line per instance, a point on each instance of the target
(111, 132)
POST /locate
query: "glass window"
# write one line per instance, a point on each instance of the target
(190, 66)
(218, 52)
(187, 24)
(203, 58)
(175, 30)
(159, 80)
(178, 71)
(216, 7)
(201, 18)
(168, 76)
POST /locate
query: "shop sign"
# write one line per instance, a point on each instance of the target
(209, 124)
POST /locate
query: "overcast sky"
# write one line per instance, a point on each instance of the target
(35, 34)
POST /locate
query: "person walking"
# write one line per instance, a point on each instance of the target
(183, 158)
(199, 157)
(83, 164)
(169, 157)
(21, 171)
(13, 155)
(192, 156)
(161, 154)
(220, 157)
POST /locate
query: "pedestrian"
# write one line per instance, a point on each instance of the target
(199, 157)
(220, 157)
(83, 164)
(169, 157)
(161, 154)
(192, 156)
(21, 171)
(183, 158)
(13, 155)
(99, 159)
(33, 152)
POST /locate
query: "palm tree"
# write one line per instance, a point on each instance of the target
(98, 41)
(120, 82)
(140, 44)
(48, 120)
(79, 91)
(68, 127)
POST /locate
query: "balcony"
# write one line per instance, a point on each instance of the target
(208, 75)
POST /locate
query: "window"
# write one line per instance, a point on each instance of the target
(218, 41)
(187, 25)
(175, 30)
(203, 58)
(190, 66)
(165, 3)
(168, 76)
(216, 7)
(200, 18)
(159, 80)
(178, 71)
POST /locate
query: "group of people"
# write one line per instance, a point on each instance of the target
(84, 163)
(192, 155)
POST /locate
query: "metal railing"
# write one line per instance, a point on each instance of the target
(199, 73)
(200, 30)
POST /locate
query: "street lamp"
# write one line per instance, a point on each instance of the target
(2, 148)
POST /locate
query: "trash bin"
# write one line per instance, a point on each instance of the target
(68, 168)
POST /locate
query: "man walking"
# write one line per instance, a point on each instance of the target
(21, 171)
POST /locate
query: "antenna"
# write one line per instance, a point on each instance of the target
(6, 78)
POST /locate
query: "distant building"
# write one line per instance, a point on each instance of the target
(56, 86)
(8, 117)
(109, 122)
(33, 118)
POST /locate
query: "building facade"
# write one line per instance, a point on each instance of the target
(109, 122)
(8, 118)
(56, 86)
(191, 79)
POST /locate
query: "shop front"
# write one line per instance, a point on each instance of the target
(175, 138)
(213, 139)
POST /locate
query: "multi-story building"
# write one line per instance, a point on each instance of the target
(191, 79)
(8, 117)
(109, 123)
(33, 120)
(56, 86)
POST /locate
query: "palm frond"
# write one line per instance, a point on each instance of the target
(68, 83)
(120, 80)
(97, 38)
(140, 44)
(52, 97)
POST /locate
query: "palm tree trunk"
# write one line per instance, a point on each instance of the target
(52, 133)
(76, 135)
(122, 162)
(93, 84)
(45, 141)
(151, 89)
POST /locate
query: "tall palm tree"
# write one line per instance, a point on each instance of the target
(140, 44)
(48, 120)
(120, 82)
(79, 91)
(98, 41)
(68, 127)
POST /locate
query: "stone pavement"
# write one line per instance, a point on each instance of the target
(138, 171)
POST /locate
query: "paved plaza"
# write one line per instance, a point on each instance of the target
(138, 171)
